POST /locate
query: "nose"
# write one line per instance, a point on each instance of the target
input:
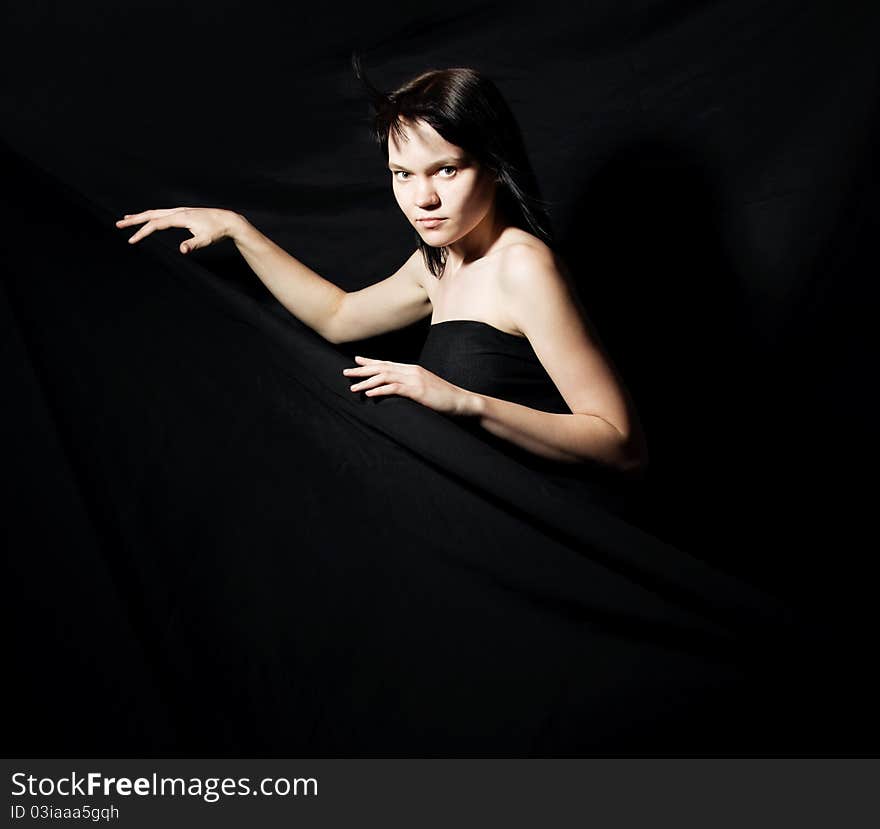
(426, 195)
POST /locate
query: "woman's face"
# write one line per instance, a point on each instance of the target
(435, 179)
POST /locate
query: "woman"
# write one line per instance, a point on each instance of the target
(426, 594)
(484, 268)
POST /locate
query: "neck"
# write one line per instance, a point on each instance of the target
(478, 243)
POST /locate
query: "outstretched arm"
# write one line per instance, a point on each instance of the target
(306, 294)
(335, 314)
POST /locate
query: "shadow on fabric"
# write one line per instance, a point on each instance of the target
(265, 563)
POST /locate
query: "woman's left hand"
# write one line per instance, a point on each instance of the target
(407, 380)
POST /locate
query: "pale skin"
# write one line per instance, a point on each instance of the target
(495, 273)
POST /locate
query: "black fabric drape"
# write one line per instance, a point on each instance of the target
(216, 548)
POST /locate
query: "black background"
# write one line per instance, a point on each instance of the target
(712, 168)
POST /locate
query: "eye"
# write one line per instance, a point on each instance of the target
(401, 172)
(448, 167)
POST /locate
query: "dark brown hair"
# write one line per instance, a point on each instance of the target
(468, 110)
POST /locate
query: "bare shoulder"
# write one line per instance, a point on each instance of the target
(530, 266)
(538, 291)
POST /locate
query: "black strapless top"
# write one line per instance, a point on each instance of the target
(484, 359)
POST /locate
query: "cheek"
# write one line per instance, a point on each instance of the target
(457, 200)
(474, 204)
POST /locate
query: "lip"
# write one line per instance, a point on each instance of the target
(430, 222)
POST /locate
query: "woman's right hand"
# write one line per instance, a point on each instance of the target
(207, 224)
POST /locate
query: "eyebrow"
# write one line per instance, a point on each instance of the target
(451, 159)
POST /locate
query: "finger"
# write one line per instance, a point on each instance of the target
(171, 220)
(138, 218)
(371, 360)
(364, 370)
(372, 382)
(390, 388)
(195, 242)
(154, 214)
(146, 230)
